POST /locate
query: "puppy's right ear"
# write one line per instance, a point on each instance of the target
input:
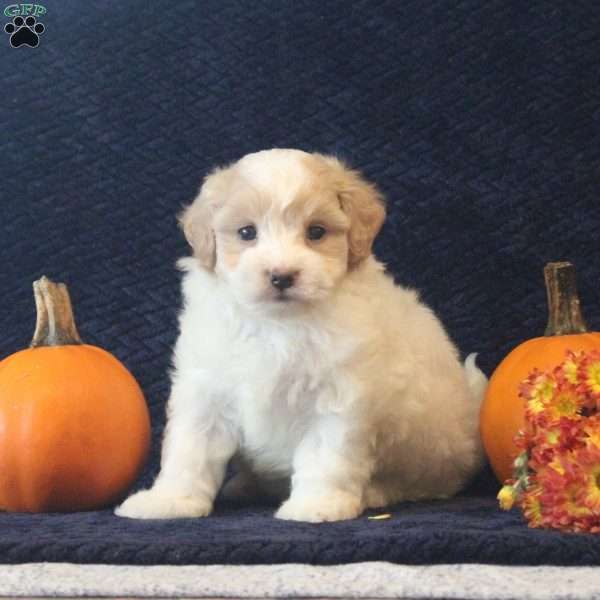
(196, 220)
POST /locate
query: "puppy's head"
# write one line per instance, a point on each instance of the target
(283, 227)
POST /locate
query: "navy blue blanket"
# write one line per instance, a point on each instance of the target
(480, 121)
(460, 530)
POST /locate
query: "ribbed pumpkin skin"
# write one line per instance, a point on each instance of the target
(503, 412)
(74, 429)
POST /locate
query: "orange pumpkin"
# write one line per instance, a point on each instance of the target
(74, 426)
(503, 412)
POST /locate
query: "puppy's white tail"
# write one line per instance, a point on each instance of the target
(475, 377)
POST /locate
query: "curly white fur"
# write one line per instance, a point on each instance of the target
(343, 392)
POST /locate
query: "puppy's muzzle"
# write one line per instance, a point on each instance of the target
(282, 281)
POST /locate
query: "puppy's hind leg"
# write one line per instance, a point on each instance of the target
(376, 495)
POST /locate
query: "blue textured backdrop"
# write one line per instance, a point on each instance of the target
(479, 121)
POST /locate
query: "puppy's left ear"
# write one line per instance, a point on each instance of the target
(365, 206)
(196, 220)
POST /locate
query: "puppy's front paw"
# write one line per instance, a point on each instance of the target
(154, 504)
(335, 506)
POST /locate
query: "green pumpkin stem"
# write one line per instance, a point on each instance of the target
(55, 324)
(564, 310)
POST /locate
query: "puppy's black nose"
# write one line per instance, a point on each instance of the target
(282, 281)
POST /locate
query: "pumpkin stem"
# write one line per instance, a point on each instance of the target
(564, 311)
(55, 324)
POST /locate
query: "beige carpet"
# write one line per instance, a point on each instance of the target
(360, 580)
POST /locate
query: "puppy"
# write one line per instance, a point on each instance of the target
(333, 389)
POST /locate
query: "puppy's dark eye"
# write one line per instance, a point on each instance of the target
(315, 232)
(247, 233)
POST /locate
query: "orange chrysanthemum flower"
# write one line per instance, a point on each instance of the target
(569, 369)
(532, 506)
(565, 509)
(557, 474)
(588, 462)
(537, 390)
(566, 402)
(589, 375)
(591, 431)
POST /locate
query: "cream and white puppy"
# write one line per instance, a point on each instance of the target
(298, 356)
